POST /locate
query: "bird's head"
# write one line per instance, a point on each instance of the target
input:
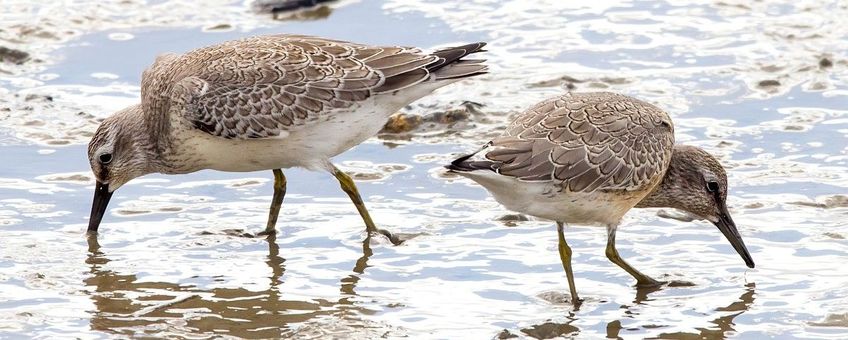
(696, 182)
(117, 153)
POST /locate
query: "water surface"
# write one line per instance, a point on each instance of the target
(763, 86)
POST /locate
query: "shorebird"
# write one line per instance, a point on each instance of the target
(588, 158)
(265, 103)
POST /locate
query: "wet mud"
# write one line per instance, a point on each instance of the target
(762, 85)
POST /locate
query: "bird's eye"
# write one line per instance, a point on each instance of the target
(105, 158)
(712, 186)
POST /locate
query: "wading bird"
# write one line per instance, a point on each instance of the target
(588, 158)
(265, 103)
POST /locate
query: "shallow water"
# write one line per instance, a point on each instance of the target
(764, 87)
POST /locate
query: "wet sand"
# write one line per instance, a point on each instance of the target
(764, 86)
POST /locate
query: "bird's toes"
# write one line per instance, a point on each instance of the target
(399, 238)
(266, 232)
(577, 302)
(671, 281)
(681, 283)
(393, 238)
(650, 284)
(230, 232)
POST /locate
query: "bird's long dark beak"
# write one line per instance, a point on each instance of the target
(98, 206)
(728, 228)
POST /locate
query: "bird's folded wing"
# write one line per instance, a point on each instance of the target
(268, 86)
(620, 144)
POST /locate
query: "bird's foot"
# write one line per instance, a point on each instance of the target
(649, 283)
(267, 232)
(393, 238)
(576, 302)
(680, 283)
(562, 298)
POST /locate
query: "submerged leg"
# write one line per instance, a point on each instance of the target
(612, 255)
(350, 188)
(276, 202)
(565, 257)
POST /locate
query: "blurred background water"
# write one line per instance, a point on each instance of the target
(763, 85)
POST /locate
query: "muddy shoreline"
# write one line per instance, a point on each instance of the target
(764, 86)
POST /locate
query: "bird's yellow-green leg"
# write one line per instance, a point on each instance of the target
(642, 280)
(565, 257)
(276, 202)
(350, 188)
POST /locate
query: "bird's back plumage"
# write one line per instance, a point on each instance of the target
(583, 158)
(583, 142)
(267, 86)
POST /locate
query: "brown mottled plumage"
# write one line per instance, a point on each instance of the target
(267, 102)
(588, 158)
(689, 170)
(260, 86)
(594, 141)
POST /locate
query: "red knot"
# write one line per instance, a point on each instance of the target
(588, 158)
(266, 103)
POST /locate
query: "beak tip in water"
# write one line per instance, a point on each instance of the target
(727, 227)
(98, 206)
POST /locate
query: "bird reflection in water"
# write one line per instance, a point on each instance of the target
(294, 10)
(723, 324)
(125, 306)
(550, 330)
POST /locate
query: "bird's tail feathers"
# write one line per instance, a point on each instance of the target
(450, 64)
(469, 162)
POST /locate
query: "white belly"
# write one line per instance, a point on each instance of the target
(542, 199)
(309, 146)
